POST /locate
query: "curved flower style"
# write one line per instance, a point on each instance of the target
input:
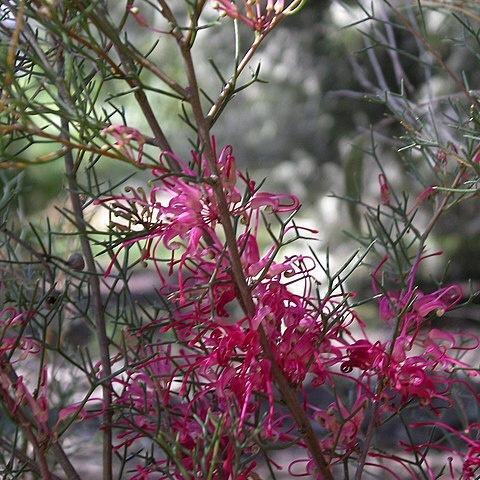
(417, 304)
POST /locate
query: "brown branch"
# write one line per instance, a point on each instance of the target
(20, 419)
(287, 393)
(94, 282)
(32, 464)
(192, 30)
(64, 461)
(229, 88)
(97, 307)
(170, 17)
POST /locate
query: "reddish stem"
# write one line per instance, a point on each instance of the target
(287, 393)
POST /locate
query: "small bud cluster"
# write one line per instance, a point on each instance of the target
(258, 14)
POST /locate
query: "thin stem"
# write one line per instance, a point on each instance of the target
(368, 437)
(21, 419)
(127, 58)
(229, 87)
(160, 74)
(436, 215)
(97, 305)
(28, 247)
(32, 464)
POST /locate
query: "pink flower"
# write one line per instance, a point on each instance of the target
(123, 137)
(253, 13)
(437, 302)
(79, 411)
(363, 355)
(384, 188)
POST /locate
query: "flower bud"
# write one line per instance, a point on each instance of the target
(76, 261)
(52, 298)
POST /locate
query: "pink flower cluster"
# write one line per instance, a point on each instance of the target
(417, 361)
(15, 394)
(123, 137)
(257, 14)
(220, 369)
(197, 375)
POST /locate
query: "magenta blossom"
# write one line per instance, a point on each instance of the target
(420, 305)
